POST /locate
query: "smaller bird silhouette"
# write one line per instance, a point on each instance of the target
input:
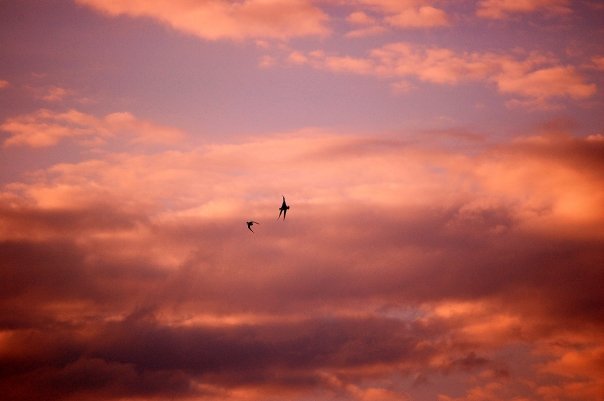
(283, 209)
(250, 224)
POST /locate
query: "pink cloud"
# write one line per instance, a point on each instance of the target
(366, 32)
(493, 391)
(54, 94)
(598, 62)
(267, 61)
(443, 265)
(360, 18)
(548, 82)
(397, 256)
(366, 25)
(212, 20)
(297, 57)
(498, 9)
(348, 64)
(4, 84)
(45, 128)
(403, 14)
(534, 78)
(422, 17)
(402, 87)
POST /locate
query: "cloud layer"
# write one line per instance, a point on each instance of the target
(45, 128)
(401, 268)
(534, 77)
(215, 19)
(278, 19)
(444, 242)
(497, 9)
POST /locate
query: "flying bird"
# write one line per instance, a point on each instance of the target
(250, 224)
(283, 209)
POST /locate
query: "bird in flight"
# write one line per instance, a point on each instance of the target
(283, 209)
(250, 224)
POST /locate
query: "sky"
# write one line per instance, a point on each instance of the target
(444, 166)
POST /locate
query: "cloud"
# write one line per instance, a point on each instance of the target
(598, 62)
(50, 93)
(367, 25)
(497, 9)
(374, 17)
(45, 128)
(403, 263)
(548, 82)
(4, 84)
(534, 78)
(365, 32)
(424, 16)
(214, 19)
(360, 18)
(409, 13)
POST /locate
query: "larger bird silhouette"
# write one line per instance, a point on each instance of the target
(283, 209)
(250, 224)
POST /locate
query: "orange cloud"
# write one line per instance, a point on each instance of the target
(368, 25)
(598, 62)
(365, 32)
(54, 94)
(397, 256)
(494, 391)
(360, 18)
(500, 9)
(4, 84)
(421, 17)
(548, 82)
(535, 78)
(215, 19)
(400, 14)
(45, 128)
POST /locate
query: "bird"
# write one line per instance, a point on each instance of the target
(250, 224)
(283, 209)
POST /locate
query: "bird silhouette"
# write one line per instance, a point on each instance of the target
(283, 209)
(250, 224)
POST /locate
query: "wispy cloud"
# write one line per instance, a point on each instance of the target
(105, 259)
(498, 9)
(360, 18)
(45, 128)
(423, 257)
(408, 13)
(535, 77)
(50, 93)
(598, 62)
(423, 16)
(212, 20)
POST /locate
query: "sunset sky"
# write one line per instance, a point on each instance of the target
(444, 164)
